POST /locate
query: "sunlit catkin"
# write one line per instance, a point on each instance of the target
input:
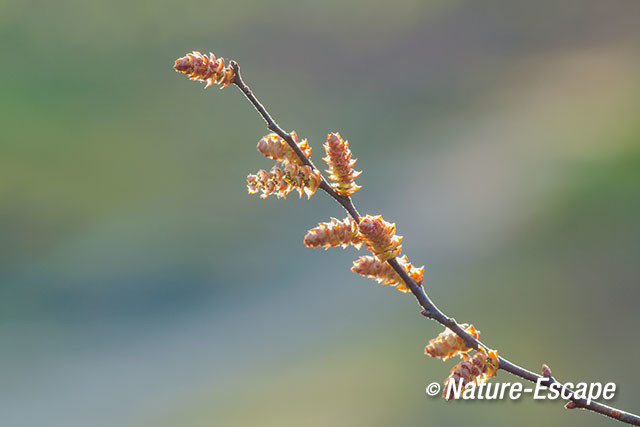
(283, 181)
(380, 237)
(448, 344)
(334, 233)
(276, 148)
(205, 68)
(482, 366)
(341, 164)
(383, 273)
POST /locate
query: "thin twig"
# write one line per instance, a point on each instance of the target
(430, 310)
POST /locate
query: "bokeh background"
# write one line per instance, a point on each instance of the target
(141, 286)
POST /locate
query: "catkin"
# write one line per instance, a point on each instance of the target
(276, 148)
(383, 273)
(205, 68)
(380, 237)
(304, 179)
(447, 344)
(334, 233)
(482, 366)
(341, 165)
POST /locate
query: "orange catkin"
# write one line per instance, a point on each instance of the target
(276, 148)
(334, 233)
(380, 237)
(482, 366)
(382, 272)
(341, 164)
(283, 181)
(205, 68)
(448, 344)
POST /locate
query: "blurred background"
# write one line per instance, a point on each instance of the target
(141, 286)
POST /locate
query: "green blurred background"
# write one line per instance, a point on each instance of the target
(142, 286)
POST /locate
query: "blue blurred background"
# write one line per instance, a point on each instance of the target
(142, 286)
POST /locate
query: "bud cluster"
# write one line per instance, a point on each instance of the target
(205, 68)
(292, 175)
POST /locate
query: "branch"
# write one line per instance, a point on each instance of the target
(430, 310)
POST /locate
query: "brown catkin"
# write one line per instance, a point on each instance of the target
(383, 273)
(334, 233)
(205, 68)
(284, 181)
(276, 148)
(341, 165)
(380, 237)
(447, 344)
(482, 366)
